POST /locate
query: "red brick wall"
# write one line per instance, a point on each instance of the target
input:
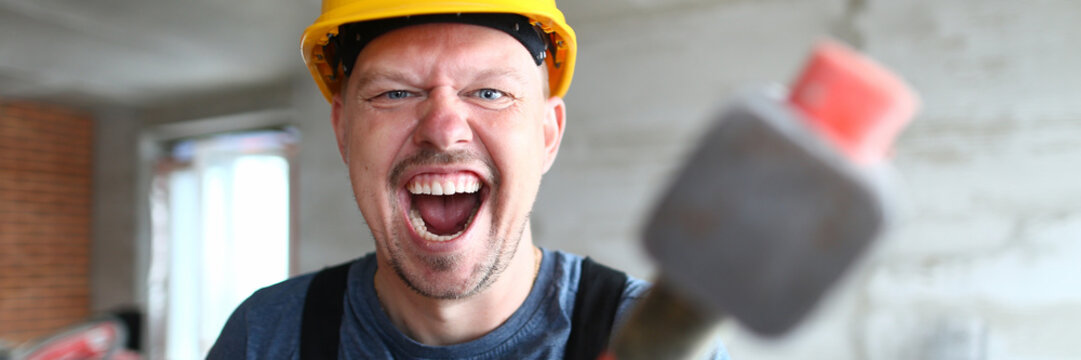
(45, 173)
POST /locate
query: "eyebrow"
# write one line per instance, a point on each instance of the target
(498, 73)
(367, 78)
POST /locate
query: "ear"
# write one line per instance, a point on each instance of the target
(554, 121)
(340, 127)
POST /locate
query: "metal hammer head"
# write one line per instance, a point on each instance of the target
(775, 203)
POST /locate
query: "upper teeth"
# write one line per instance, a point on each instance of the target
(443, 184)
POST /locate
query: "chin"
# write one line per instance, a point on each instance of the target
(448, 275)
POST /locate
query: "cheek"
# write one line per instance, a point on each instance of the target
(516, 145)
(376, 144)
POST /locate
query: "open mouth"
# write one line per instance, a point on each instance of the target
(442, 206)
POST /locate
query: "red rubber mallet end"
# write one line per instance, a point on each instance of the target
(852, 100)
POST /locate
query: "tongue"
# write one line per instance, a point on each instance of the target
(445, 215)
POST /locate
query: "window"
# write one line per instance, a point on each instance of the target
(220, 208)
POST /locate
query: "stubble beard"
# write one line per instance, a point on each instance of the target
(499, 250)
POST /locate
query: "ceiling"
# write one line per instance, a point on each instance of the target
(138, 51)
(131, 51)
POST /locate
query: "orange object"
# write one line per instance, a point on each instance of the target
(856, 103)
(337, 12)
(94, 341)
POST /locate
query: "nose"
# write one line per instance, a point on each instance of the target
(444, 121)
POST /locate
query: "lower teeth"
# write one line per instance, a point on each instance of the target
(422, 229)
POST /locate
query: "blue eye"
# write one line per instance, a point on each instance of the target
(396, 94)
(490, 94)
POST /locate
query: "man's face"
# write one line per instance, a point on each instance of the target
(439, 109)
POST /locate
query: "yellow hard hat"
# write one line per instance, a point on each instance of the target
(542, 13)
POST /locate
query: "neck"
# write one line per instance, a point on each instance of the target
(446, 322)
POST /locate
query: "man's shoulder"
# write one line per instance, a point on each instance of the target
(572, 263)
(570, 266)
(289, 293)
(273, 306)
(633, 292)
(267, 323)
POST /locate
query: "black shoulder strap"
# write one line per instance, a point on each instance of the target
(321, 321)
(600, 289)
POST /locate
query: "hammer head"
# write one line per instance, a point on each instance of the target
(763, 218)
(776, 203)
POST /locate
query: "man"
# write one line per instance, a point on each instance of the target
(446, 126)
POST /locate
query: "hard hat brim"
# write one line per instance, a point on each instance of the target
(315, 37)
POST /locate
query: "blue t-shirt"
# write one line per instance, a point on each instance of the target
(267, 324)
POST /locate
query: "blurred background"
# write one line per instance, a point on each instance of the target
(169, 157)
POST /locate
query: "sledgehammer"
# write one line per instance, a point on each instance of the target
(778, 200)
